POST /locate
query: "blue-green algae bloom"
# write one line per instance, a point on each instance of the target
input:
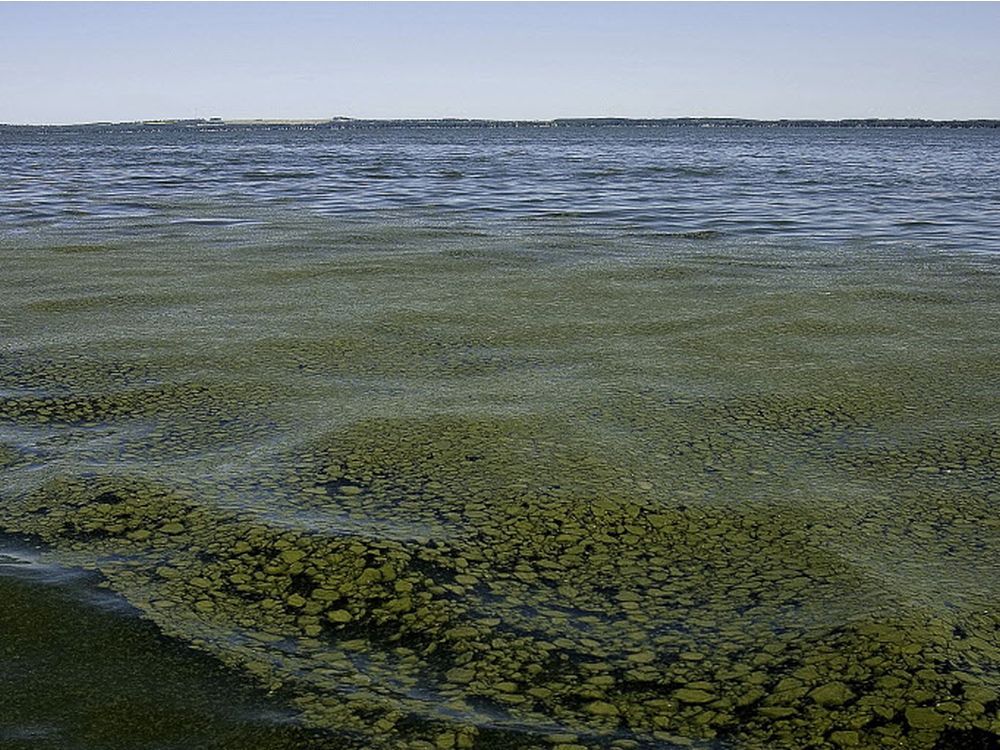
(445, 490)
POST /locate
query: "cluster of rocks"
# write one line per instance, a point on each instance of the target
(532, 588)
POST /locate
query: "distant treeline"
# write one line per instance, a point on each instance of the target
(738, 122)
(568, 122)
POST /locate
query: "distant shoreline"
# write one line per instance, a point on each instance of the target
(337, 123)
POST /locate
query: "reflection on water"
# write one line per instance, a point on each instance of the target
(457, 488)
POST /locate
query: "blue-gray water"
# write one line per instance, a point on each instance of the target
(932, 187)
(502, 438)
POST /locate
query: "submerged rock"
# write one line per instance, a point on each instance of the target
(832, 694)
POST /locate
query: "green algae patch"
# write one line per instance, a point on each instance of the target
(925, 718)
(832, 694)
(8, 456)
(501, 502)
(361, 630)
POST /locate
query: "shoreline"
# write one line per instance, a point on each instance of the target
(336, 123)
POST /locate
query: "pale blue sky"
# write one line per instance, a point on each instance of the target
(84, 62)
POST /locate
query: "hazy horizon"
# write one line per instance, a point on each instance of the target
(334, 118)
(125, 62)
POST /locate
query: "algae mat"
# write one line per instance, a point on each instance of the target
(444, 491)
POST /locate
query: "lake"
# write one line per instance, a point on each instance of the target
(501, 437)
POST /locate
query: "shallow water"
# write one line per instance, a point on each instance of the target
(529, 480)
(80, 670)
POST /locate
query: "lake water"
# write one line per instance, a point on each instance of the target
(502, 437)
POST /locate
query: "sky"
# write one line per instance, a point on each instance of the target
(85, 62)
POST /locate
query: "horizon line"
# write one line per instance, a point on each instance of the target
(345, 120)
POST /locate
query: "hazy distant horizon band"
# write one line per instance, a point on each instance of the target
(555, 121)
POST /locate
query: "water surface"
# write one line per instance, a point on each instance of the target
(525, 438)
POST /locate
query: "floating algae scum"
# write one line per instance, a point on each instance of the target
(459, 491)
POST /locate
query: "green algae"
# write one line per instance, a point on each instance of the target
(8, 456)
(456, 608)
(80, 670)
(575, 506)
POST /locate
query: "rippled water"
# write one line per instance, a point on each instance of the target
(835, 184)
(523, 438)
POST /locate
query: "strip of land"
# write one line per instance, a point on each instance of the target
(602, 122)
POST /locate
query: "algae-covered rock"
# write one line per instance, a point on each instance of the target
(601, 708)
(921, 717)
(689, 695)
(832, 694)
(845, 738)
